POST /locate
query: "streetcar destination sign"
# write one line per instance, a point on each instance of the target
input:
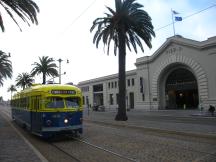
(63, 92)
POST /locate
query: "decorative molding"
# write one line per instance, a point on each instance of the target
(192, 64)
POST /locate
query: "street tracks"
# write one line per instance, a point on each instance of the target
(83, 151)
(70, 149)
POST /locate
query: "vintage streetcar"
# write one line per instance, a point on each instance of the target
(49, 110)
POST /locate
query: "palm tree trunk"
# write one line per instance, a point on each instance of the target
(44, 78)
(121, 115)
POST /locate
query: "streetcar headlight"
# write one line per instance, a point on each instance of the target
(49, 122)
(65, 121)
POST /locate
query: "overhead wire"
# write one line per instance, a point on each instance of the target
(63, 31)
(91, 4)
(186, 17)
(81, 14)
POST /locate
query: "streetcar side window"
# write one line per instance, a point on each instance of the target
(55, 102)
(72, 102)
(35, 102)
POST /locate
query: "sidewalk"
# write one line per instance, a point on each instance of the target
(184, 122)
(13, 146)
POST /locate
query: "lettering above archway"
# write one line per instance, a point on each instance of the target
(174, 49)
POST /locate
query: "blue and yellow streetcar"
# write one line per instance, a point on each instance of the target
(48, 110)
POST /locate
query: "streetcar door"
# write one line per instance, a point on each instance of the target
(36, 119)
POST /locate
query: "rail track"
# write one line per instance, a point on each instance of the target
(74, 149)
(88, 151)
(74, 158)
(105, 143)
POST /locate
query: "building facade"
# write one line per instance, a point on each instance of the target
(181, 74)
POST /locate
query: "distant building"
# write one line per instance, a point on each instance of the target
(181, 74)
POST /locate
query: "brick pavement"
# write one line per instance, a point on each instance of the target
(13, 146)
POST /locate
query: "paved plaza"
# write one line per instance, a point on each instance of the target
(183, 122)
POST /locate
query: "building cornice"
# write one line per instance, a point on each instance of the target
(210, 42)
(106, 78)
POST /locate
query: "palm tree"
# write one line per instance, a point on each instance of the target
(46, 66)
(26, 9)
(5, 67)
(124, 27)
(24, 80)
(12, 89)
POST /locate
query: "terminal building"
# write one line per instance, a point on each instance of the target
(181, 74)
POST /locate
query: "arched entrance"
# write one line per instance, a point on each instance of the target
(181, 90)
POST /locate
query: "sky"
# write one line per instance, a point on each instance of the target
(64, 32)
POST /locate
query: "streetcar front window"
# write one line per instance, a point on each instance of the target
(55, 102)
(72, 102)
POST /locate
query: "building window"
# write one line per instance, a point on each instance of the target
(143, 97)
(117, 98)
(115, 84)
(132, 81)
(128, 82)
(85, 89)
(109, 85)
(141, 85)
(98, 88)
(111, 99)
(83, 100)
(87, 101)
(112, 84)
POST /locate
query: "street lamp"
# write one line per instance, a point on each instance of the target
(60, 60)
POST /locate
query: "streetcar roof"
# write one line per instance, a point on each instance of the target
(46, 88)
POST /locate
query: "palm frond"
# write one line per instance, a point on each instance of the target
(45, 66)
(5, 67)
(128, 17)
(24, 80)
(1, 23)
(25, 9)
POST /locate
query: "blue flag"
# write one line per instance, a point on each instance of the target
(174, 12)
(177, 18)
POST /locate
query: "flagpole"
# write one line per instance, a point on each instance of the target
(173, 22)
